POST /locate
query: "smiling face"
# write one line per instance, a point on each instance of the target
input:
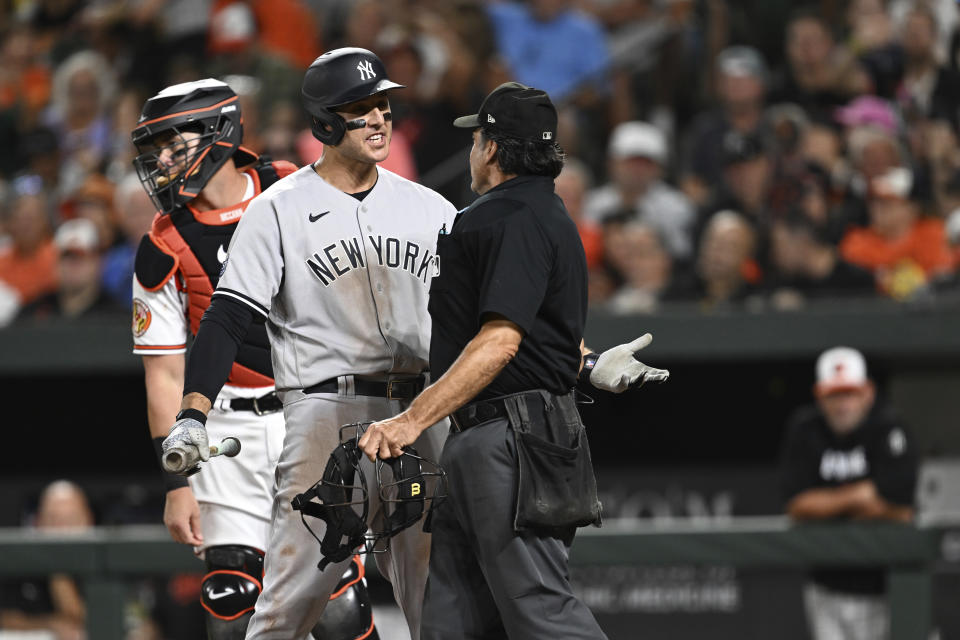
(370, 143)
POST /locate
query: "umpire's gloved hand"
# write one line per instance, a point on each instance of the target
(618, 369)
(189, 432)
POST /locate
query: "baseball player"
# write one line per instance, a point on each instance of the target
(336, 259)
(848, 457)
(201, 180)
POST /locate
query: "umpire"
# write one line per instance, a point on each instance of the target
(508, 308)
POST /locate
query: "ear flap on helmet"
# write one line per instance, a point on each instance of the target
(323, 116)
(336, 493)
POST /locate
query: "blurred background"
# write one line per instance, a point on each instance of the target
(754, 181)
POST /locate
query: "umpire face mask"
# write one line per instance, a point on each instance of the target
(341, 499)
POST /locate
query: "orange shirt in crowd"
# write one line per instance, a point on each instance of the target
(287, 28)
(592, 238)
(32, 87)
(31, 275)
(925, 245)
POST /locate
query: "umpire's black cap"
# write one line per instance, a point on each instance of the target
(517, 111)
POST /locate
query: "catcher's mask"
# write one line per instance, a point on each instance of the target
(172, 168)
(342, 498)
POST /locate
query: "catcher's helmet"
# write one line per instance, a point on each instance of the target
(336, 78)
(208, 107)
(403, 486)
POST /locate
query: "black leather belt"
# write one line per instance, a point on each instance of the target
(401, 389)
(477, 413)
(260, 406)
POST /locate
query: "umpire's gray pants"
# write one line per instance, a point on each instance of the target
(295, 592)
(486, 581)
(845, 616)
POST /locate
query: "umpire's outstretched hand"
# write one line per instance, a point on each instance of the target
(618, 369)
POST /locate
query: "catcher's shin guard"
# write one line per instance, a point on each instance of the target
(230, 590)
(348, 615)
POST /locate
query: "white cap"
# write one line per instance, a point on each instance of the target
(78, 234)
(742, 61)
(638, 139)
(840, 369)
(895, 183)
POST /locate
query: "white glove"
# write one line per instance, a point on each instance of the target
(188, 435)
(617, 369)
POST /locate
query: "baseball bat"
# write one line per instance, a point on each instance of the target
(182, 459)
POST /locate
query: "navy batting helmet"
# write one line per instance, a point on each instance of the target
(207, 107)
(336, 78)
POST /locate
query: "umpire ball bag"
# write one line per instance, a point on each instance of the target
(556, 487)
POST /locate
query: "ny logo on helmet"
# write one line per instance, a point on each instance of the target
(365, 67)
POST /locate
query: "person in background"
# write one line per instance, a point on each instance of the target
(806, 265)
(741, 91)
(725, 272)
(748, 172)
(552, 45)
(902, 248)
(94, 202)
(820, 74)
(572, 185)
(83, 90)
(927, 88)
(135, 211)
(78, 267)
(54, 604)
(637, 155)
(639, 254)
(28, 265)
(848, 457)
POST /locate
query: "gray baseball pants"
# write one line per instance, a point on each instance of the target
(295, 592)
(486, 581)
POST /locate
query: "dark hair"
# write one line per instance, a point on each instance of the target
(802, 14)
(526, 157)
(797, 221)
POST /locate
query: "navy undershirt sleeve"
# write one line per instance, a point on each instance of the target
(222, 328)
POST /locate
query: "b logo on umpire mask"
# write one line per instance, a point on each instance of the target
(341, 499)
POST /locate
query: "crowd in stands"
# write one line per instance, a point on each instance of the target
(720, 154)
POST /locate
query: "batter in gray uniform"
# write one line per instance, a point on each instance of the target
(336, 259)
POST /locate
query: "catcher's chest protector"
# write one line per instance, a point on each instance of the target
(198, 243)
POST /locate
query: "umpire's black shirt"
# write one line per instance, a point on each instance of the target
(881, 449)
(513, 252)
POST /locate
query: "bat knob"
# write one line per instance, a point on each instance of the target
(230, 447)
(175, 461)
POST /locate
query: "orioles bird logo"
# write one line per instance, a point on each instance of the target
(141, 317)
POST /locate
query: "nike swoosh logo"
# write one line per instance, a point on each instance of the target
(216, 595)
(221, 255)
(314, 217)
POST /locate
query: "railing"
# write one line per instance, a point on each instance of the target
(105, 557)
(881, 328)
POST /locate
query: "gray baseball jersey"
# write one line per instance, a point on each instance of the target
(343, 283)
